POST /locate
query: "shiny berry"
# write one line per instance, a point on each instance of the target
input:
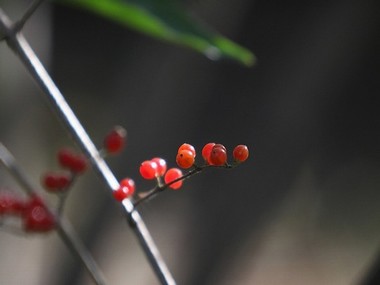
(77, 163)
(187, 146)
(114, 142)
(185, 158)
(240, 153)
(171, 175)
(53, 182)
(218, 155)
(11, 204)
(126, 189)
(161, 165)
(148, 169)
(37, 218)
(206, 151)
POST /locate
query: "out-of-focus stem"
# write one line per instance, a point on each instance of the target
(20, 46)
(64, 228)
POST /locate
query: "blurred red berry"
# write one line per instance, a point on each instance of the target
(148, 169)
(126, 189)
(115, 140)
(56, 181)
(171, 175)
(161, 165)
(11, 204)
(77, 163)
(240, 153)
(37, 218)
(185, 158)
(218, 155)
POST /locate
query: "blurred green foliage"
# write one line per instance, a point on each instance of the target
(169, 21)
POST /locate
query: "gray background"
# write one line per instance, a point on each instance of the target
(303, 209)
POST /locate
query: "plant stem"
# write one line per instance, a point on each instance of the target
(29, 12)
(20, 46)
(64, 228)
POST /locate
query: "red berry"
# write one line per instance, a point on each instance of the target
(125, 190)
(115, 140)
(11, 204)
(187, 146)
(148, 169)
(218, 156)
(161, 165)
(37, 218)
(56, 181)
(240, 153)
(77, 163)
(65, 157)
(206, 151)
(185, 158)
(171, 175)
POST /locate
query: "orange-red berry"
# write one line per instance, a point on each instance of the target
(187, 146)
(206, 151)
(148, 169)
(171, 175)
(240, 153)
(185, 158)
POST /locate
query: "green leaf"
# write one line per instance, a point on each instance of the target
(167, 20)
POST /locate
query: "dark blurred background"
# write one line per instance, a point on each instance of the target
(304, 209)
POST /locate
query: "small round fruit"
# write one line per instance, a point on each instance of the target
(187, 146)
(240, 153)
(126, 189)
(161, 165)
(77, 163)
(148, 169)
(171, 175)
(56, 181)
(206, 151)
(218, 156)
(114, 141)
(11, 204)
(65, 157)
(37, 218)
(185, 158)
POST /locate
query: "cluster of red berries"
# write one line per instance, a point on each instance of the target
(35, 216)
(59, 181)
(216, 154)
(75, 164)
(213, 154)
(156, 168)
(33, 212)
